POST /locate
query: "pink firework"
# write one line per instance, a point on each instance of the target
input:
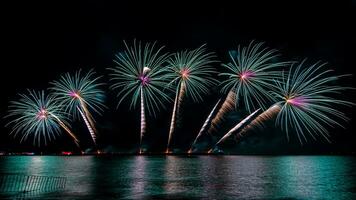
(299, 101)
(245, 75)
(185, 73)
(145, 80)
(74, 94)
(42, 114)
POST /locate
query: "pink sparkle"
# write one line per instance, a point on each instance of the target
(42, 114)
(246, 74)
(185, 73)
(145, 80)
(297, 101)
(74, 94)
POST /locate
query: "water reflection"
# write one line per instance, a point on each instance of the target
(180, 180)
(213, 176)
(79, 171)
(138, 175)
(35, 166)
(195, 177)
(308, 176)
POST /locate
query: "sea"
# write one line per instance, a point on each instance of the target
(178, 177)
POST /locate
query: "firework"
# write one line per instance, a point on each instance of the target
(139, 75)
(307, 100)
(38, 115)
(227, 106)
(206, 124)
(216, 116)
(191, 73)
(244, 126)
(238, 128)
(249, 77)
(79, 94)
(267, 115)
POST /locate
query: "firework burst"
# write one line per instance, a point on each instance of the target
(306, 98)
(38, 115)
(79, 94)
(191, 73)
(249, 77)
(139, 75)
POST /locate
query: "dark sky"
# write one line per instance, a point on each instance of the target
(41, 40)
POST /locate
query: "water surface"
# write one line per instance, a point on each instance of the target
(195, 177)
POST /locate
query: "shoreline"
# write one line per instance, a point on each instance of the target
(118, 154)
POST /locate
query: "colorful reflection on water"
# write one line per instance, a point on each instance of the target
(194, 177)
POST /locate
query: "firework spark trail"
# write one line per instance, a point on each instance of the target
(88, 114)
(258, 121)
(217, 117)
(92, 134)
(206, 125)
(175, 114)
(267, 115)
(66, 128)
(236, 129)
(226, 107)
(143, 120)
(145, 80)
(88, 118)
(191, 74)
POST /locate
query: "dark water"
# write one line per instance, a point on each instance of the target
(198, 177)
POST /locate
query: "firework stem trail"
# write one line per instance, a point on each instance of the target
(240, 126)
(139, 75)
(190, 71)
(206, 124)
(80, 93)
(269, 114)
(175, 114)
(143, 120)
(257, 121)
(226, 107)
(76, 141)
(88, 125)
(87, 114)
(88, 118)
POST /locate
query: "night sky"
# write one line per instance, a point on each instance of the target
(42, 40)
